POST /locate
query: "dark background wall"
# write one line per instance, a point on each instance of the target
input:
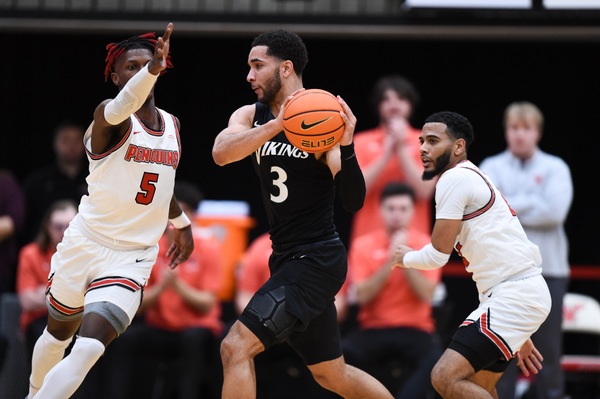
(47, 77)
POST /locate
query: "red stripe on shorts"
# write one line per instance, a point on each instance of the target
(112, 281)
(63, 308)
(498, 341)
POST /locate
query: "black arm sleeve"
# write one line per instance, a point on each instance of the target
(350, 180)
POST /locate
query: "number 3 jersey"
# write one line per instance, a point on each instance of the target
(131, 185)
(298, 190)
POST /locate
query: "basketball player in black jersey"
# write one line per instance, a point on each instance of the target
(308, 264)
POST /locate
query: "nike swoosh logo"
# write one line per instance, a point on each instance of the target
(256, 124)
(306, 126)
(140, 260)
(136, 132)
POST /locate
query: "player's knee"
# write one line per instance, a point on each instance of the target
(233, 348)
(439, 379)
(332, 375)
(325, 380)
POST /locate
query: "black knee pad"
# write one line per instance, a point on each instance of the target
(269, 307)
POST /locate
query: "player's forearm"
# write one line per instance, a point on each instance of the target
(232, 144)
(131, 97)
(350, 180)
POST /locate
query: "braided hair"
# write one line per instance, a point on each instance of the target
(115, 50)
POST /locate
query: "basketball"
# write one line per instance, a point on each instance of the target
(312, 120)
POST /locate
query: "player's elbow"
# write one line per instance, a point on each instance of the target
(219, 156)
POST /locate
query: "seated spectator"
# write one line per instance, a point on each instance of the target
(12, 222)
(178, 320)
(395, 312)
(34, 266)
(63, 179)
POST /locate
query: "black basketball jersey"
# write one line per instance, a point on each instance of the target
(298, 190)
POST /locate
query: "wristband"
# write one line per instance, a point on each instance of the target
(180, 221)
(347, 151)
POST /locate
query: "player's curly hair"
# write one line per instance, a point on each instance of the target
(457, 125)
(284, 45)
(115, 50)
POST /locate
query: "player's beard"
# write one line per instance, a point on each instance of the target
(440, 164)
(272, 88)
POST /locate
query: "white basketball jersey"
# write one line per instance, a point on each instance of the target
(131, 185)
(491, 241)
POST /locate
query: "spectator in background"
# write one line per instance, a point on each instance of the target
(538, 186)
(12, 222)
(189, 196)
(253, 271)
(395, 306)
(390, 152)
(63, 179)
(34, 268)
(180, 315)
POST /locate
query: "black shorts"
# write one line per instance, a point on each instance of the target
(482, 353)
(311, 275)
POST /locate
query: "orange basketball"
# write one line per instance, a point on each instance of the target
(312, 120)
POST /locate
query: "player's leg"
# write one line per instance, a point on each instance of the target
(265, 321)
(65, 300)
(109, 309)
(238, 350)
(320, 347)
(49, 349)
(348, 381)
(454, 377)
(64, 378)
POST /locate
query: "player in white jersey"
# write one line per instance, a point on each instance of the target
(473, 218)
(100, 268)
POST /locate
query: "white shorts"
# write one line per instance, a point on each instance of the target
(511, 312)
(83, 272)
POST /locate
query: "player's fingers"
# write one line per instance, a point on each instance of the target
(168, 32)
(174, 261)
(531, 366)
(535, 361)
(171, 249)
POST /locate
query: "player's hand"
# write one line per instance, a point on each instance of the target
(349, 121)
(398, 258)
(161, 51)
(182, 246)
(529, 358)
(279, 118)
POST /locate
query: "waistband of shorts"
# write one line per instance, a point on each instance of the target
(525, 275)
(103, 240)
(304, 245)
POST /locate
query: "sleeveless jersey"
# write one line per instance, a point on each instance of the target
(298, 190)
(131, 185)
(491, 240)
